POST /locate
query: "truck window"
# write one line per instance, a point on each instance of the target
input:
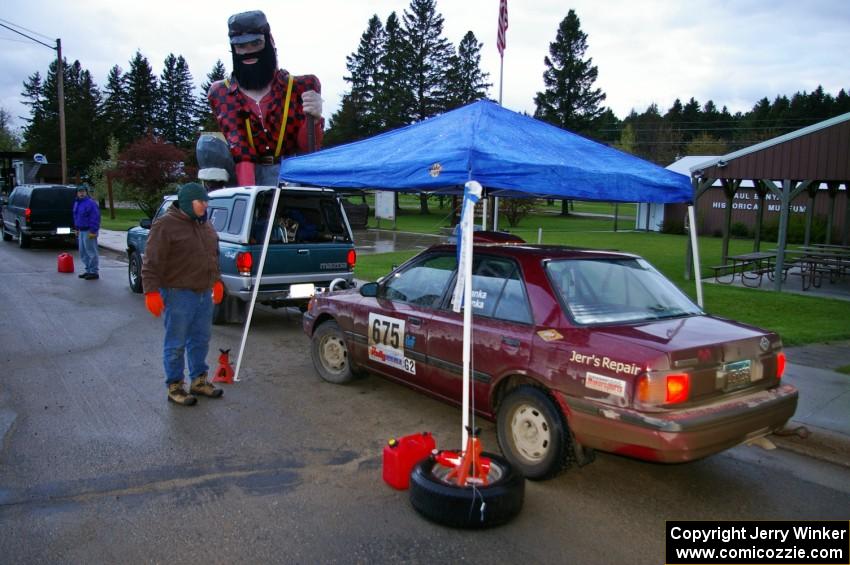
(237, 217)
(218, 218)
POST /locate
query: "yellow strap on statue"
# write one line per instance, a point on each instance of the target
(284, 118)
(250, 135)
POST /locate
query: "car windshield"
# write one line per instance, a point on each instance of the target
(604, 291)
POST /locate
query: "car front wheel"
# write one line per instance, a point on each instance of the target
(330, 354)
(134, 272)
(532, 433)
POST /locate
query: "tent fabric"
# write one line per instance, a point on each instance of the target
(508, 153)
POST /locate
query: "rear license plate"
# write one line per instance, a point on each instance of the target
(305, 290)
(736, 375)
(63, 231)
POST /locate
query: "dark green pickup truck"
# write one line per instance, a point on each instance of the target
(311, 247)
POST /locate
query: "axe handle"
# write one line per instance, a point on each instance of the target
(311, 134)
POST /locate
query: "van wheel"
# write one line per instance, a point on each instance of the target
(134, 273)
(330, 354)
(532, 433)
(24, 241)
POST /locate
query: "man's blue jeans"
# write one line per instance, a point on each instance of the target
(88, 251)
(188, 328)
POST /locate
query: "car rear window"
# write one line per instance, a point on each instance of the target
(55, 198)
(604, 291)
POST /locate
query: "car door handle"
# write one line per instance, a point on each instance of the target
(510, 342)
(303, 251)
(414, 321)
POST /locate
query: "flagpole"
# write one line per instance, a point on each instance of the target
(496, 198)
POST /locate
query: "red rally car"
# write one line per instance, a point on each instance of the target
(573, 350)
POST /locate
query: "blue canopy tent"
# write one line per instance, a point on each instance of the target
(508, 153)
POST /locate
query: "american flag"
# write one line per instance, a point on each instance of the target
(503, 26)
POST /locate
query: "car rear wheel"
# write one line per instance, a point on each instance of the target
(24, 240)
(6, 235)
(330, 354)
(134, 272)
(480, 506)
(532, 433)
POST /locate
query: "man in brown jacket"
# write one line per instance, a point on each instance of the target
(180, 275)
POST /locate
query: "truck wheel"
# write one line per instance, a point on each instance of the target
(532, 433)
(24, 240)
(330, 354)
(480, 506)
(134, 272)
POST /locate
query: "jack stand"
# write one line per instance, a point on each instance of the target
(471, 469)
(224, 373)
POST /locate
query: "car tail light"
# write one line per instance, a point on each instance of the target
(244, 262)
(27, 216)
(351, 259)
(678, 388)
(657, 390)
(780, 364)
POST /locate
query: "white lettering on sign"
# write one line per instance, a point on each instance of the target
(386, 342)
(605, 384)
(594, 360)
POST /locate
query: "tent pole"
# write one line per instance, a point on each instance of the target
(495, 213)
(693, 222)
(266, 240)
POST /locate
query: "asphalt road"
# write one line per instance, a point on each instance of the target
(97, 467)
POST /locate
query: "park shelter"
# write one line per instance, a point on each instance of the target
(786, 166)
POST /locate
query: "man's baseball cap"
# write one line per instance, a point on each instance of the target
(247, 27)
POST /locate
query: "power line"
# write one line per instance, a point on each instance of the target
(27, 36)
(25, 29)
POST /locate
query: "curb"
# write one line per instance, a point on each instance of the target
(820, 443)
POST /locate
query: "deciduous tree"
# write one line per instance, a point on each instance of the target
(149, 168)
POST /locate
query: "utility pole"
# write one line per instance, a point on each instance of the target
(60, 95)
(63, 148)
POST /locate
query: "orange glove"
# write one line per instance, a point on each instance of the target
(154, 304)
(218, 292)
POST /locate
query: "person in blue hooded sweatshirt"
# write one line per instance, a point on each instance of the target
(87, 222)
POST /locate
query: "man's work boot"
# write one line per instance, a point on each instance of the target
(178, 395)
(201, 387)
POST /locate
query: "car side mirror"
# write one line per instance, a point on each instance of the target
(369, 290)
(145, 223)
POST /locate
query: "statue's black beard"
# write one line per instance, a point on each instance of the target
(261, 73)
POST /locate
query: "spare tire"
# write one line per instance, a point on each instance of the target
(446, 503)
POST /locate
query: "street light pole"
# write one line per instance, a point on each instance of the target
(63, 149)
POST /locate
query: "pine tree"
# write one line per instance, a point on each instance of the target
(203, 115)
(430, 54)
(467, 83)
(395, 98)
(569, 101)
(114, 109)
(142, 103)
(83, 131)
(359, 116)
(177, 103)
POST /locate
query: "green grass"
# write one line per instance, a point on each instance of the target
(799, 319)
(125, 218)
(844, 369)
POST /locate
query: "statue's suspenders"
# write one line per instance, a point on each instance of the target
(282, 122)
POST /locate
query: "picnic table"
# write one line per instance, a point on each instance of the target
(750, 267)
(819, 260)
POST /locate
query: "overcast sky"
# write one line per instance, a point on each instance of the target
(733, 52)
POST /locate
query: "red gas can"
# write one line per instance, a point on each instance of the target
(66, 263)
(400, 456)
